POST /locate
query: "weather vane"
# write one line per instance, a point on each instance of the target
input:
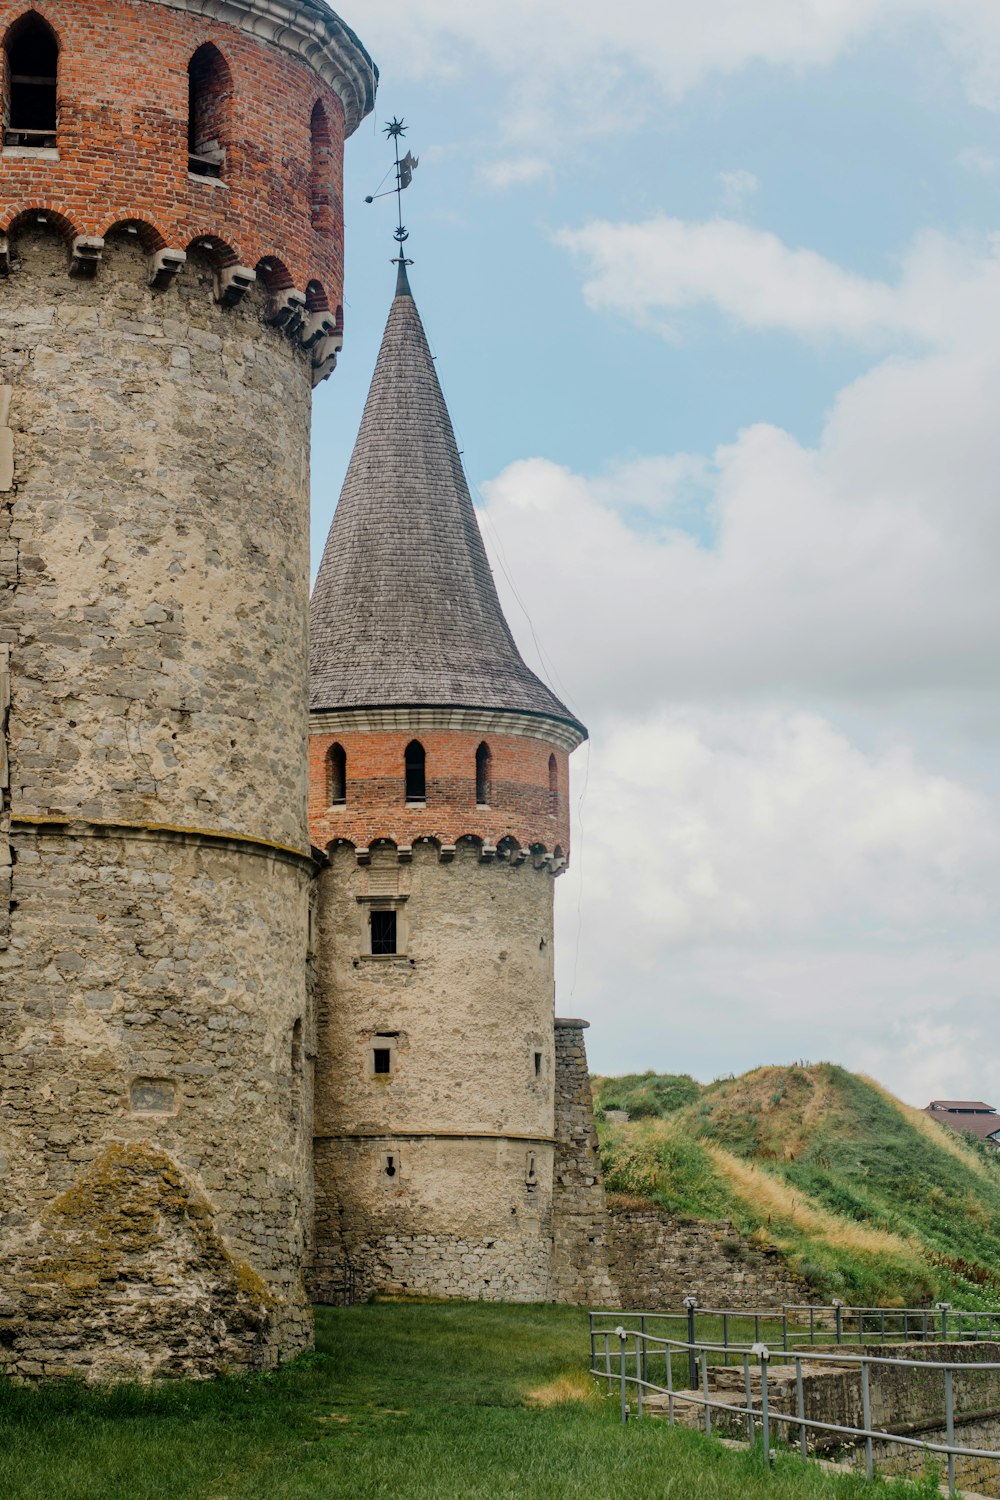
(405, 168)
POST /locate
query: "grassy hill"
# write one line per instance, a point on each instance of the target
(867, 1198)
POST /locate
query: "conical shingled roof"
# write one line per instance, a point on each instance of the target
(405, 611)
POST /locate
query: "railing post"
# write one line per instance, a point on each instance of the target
(725, 1338)
(622, 1336)
(866, 1417)
(949, 1417)
(691, 1303)
(800, 1406)
(784, 1326)
(670, 1386)
(704, 1392)
(749, 1397)
(642, 1326)
(838, 1314)
(812, 1325)
(640, 1371)
(942, 1308)
(761, 1350)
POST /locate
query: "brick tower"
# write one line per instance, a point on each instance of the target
(170, 290)
(438, 788)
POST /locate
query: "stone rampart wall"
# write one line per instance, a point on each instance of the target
(658, 1260)
(580, 1225)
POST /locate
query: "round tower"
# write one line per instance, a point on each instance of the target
(170, 291)
(439, 790)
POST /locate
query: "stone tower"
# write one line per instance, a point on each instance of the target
(439, 789)
(170, 290)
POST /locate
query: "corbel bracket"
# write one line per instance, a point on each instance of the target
(285, 310)
(85, 254)
(324, 356)
(316, 326)
(232, 284)
(164, 266)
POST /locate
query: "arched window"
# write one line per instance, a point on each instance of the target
(336, 776)
(483, 788)
(415, 762)
(320, 166)
(553, 786)
(210, 91)
(31, 63)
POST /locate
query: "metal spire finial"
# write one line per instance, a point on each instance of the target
(405, 167)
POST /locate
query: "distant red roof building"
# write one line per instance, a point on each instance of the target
(967, 1114)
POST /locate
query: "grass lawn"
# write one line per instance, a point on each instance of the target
(407, 1401)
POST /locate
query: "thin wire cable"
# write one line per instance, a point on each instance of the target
(547, 664)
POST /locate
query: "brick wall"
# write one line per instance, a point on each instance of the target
(123, 142)
(521, 806)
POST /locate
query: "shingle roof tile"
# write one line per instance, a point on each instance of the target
(405, 610)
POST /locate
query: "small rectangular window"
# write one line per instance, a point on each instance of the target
(383, 925)
(382, 1059)
(538, 1064)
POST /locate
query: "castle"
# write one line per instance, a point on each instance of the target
(275, 936)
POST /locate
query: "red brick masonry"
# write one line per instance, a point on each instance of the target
(521, 806)
(123, 145)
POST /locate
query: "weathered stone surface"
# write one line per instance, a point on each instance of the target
(658, 1260)
(153, 592)
(133, 1243)
(468, 1003)
(581, 1229)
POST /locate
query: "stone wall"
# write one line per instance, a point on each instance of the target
(154, 1010)
(909, 1403)
(580, 1227)
(453, 1146)
(658, 1260)
(973, 1476)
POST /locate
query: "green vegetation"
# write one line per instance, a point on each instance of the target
(867, 1199)
(646, 1095)
(401, 1401)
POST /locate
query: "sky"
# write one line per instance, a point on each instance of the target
(714, 291)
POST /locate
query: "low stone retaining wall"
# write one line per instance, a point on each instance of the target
(658, 1260)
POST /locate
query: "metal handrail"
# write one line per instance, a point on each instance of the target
(698, 1352)
(844, 1323)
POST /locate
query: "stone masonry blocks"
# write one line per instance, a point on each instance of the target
(153, 987)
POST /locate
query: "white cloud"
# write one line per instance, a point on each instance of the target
(571, 64)
(737, 186)
(978, 161)
(646, 271)
(790, 841)
(761, 821)
(757, 888)
(514, 172)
